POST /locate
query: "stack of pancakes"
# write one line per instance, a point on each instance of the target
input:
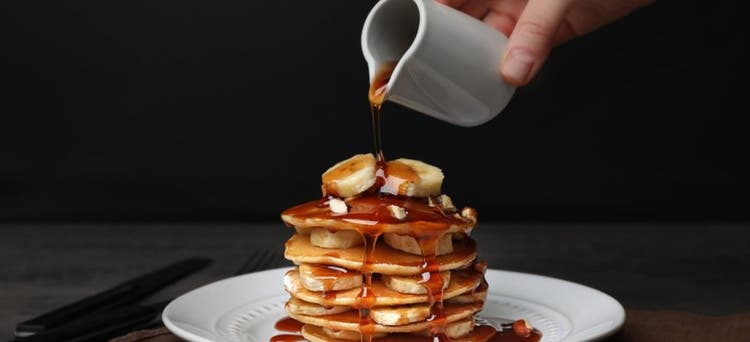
(384, 266)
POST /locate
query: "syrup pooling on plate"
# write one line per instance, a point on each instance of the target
(288, 325)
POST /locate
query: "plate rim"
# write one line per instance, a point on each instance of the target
(182, 333)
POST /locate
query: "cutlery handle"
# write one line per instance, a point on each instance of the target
(95, 303)
(97, 327)
(120, 295)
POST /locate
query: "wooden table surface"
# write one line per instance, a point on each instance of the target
(696, 267)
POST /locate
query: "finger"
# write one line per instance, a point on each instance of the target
(453, 3)
(564, 33)
(475, 8)
(500, 21)
(531, 40)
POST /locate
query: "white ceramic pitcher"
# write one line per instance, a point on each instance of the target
(448, 62)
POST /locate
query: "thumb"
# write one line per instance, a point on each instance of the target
(531, 40)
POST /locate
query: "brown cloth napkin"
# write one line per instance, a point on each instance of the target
(154, 335)
(653, 326)
(640, 326)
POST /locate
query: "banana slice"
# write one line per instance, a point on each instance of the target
(456, 329)
(409, 245)
(460, 331)
(328, 278)
(339, 239)
(348, 335)
(350, 177)
(412, 285)
(413, 178)
(301, 307)
(400, 315)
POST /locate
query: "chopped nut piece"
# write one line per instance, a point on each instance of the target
(397, 212)
(337, 206)
(522, 328)
(443, 201)
(447, 204)
(469, 213)
(432, 201)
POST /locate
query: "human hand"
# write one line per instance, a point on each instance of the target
(535, 26)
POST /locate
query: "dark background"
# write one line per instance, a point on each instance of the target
(231, 110)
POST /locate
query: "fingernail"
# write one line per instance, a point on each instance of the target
(517, 65)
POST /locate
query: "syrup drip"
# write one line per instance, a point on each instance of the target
(376, 95)
(290, 325)
(366, 297)
(433, 283)
(287, 338)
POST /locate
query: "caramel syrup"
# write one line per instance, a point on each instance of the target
(507, 334)
(427, 224)
(480, 333)
(376, 95)
(287, 338)
(366, 297)
(433, 283)
(290, 325)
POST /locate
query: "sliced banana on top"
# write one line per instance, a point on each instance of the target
(341, 239)
(328, 278)
(350, 177)
(405, 177)
(412, 285)
(410, 245)
(413, 178)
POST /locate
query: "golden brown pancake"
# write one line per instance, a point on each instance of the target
(317, 334)
(462, 281)
(386, 260)
(350, 320)
(316, 214)
(302, 307)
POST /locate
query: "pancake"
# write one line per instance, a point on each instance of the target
(477, 295)
(317, 334)
(386, 260)
(296, 305)
(302, 307)
(384, 256)
(363, 210)
(350, 320)
(462, 281)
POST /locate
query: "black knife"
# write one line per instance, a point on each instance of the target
(100, 326)
(120, 295)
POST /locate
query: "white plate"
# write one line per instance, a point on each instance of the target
(245, 308)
